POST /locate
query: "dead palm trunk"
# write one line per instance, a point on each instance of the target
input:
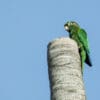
(64, 66)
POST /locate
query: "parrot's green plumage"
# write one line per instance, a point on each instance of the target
(80, 36)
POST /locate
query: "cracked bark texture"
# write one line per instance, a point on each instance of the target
(64, 67)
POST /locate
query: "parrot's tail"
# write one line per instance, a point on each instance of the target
(88, 59)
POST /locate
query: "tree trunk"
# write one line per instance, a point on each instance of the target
(64, 67)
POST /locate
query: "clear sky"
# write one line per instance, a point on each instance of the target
(26, 27)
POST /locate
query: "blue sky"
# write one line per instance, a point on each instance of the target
(26, 27)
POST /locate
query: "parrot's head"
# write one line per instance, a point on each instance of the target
(71, 25)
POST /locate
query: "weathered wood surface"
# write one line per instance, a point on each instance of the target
(64, 67)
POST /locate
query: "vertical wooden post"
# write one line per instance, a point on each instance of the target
(64, 67)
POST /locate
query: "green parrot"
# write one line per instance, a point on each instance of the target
(80, 36)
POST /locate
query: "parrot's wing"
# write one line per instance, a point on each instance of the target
(83, 39)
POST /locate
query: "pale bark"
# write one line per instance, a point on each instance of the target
(64, 67)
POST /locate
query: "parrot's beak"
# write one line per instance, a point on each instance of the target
(66, 27)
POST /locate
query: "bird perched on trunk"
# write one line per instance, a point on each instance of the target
(80, 36)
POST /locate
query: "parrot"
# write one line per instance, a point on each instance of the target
(80, 36)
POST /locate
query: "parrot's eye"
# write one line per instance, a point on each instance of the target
(68, 24)
(71, 23)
